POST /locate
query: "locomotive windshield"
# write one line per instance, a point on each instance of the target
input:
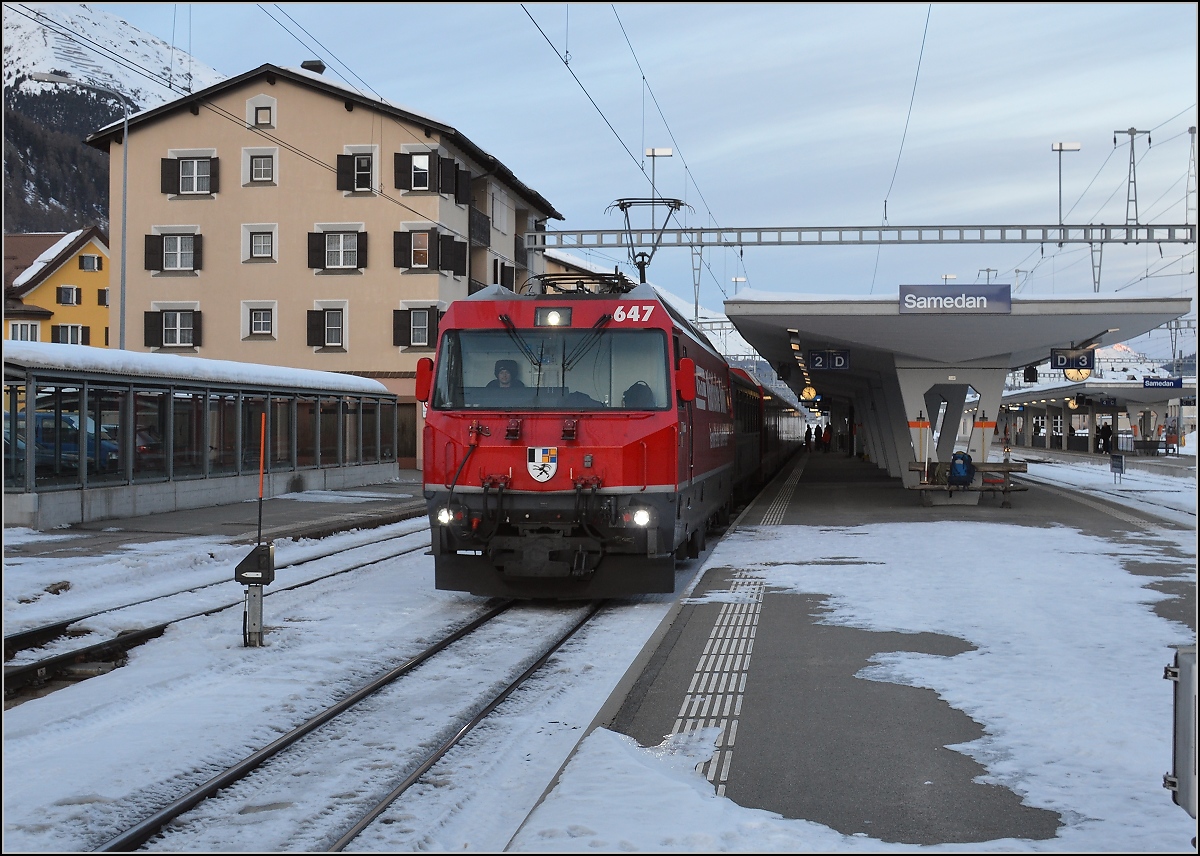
(552, 369)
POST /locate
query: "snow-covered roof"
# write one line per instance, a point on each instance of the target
(45, 258)
(83, 358)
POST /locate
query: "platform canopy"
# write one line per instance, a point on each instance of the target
(876, 324)
(887, 366)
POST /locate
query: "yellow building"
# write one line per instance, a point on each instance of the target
(56, 287)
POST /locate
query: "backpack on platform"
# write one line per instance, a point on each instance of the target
(962, 471)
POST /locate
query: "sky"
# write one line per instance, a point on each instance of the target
(1076, 715)
(789, 115)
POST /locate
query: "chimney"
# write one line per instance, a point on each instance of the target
(313, 65)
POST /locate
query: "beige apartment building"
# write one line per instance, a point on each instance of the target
(283, 218)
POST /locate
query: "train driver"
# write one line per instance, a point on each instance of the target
(639, 396)
(506, 372)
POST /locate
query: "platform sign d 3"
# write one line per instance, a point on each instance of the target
(1072, 358)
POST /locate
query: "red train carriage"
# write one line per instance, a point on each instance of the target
(577, 440)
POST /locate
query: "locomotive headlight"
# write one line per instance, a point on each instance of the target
(550, 316)
(641, 517)
(444, 516)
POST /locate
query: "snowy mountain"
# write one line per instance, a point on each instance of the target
(52, 182)
(97, 48)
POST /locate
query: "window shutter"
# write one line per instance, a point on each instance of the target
(362, 250)
(60, 295)
(102, 297)
(462, 187)
(435, 318)
(153, 327)
(401, 326)
(506, 275)
(99, 262)
(81, 267)
(434, 248)
(316, 250)
(214, 175)
(55, 334)
(316, 327)
(345, 172)
(86, 338)
(446, 252)
(197, 328)
(403, 164)
(447, 175)
(197, 252)
(154, 252)
(401, 249)
(169, 176)
(459, 265)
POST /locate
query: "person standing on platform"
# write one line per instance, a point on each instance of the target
(808, 439)
(826, 439)
(1105, 445)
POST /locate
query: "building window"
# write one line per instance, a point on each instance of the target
(102, 297)
(262, 245)
(70, 334)
(24, 331)
(420, 172)
(420, 328)
(327, 326)
(69, 295)
(420, 249)
(194, 175)
(261, 322)
(262, 168)
(341, 249)
(262, 115)
(90, 262)
(362, 172)
(177, 329)
(333, 328)
(177, 252)
(191, 173)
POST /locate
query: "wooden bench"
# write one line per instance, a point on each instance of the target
(993, 484)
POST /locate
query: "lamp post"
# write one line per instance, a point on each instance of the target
(736, 280)
(1060, 148)
(59, 78)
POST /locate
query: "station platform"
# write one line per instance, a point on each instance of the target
(802, 733)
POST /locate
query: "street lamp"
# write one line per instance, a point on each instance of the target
(125, 103)
(1060, 148)
(736, 280)
(948, 276)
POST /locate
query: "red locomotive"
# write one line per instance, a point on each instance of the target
(579, 437)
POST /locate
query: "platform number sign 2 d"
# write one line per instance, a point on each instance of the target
(825, 360)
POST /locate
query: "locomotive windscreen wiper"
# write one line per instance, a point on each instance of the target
(521, 344)
(586, 344)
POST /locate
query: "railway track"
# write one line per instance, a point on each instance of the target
(80, 661)
(356, 719)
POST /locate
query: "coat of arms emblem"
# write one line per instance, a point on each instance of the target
(543, 462)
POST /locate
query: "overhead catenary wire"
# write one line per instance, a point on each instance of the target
(903, 136)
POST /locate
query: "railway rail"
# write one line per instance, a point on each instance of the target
(473, 712)
(20, 677)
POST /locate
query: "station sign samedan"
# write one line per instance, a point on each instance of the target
(991, 299)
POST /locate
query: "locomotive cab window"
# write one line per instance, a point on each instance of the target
(550, 368)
